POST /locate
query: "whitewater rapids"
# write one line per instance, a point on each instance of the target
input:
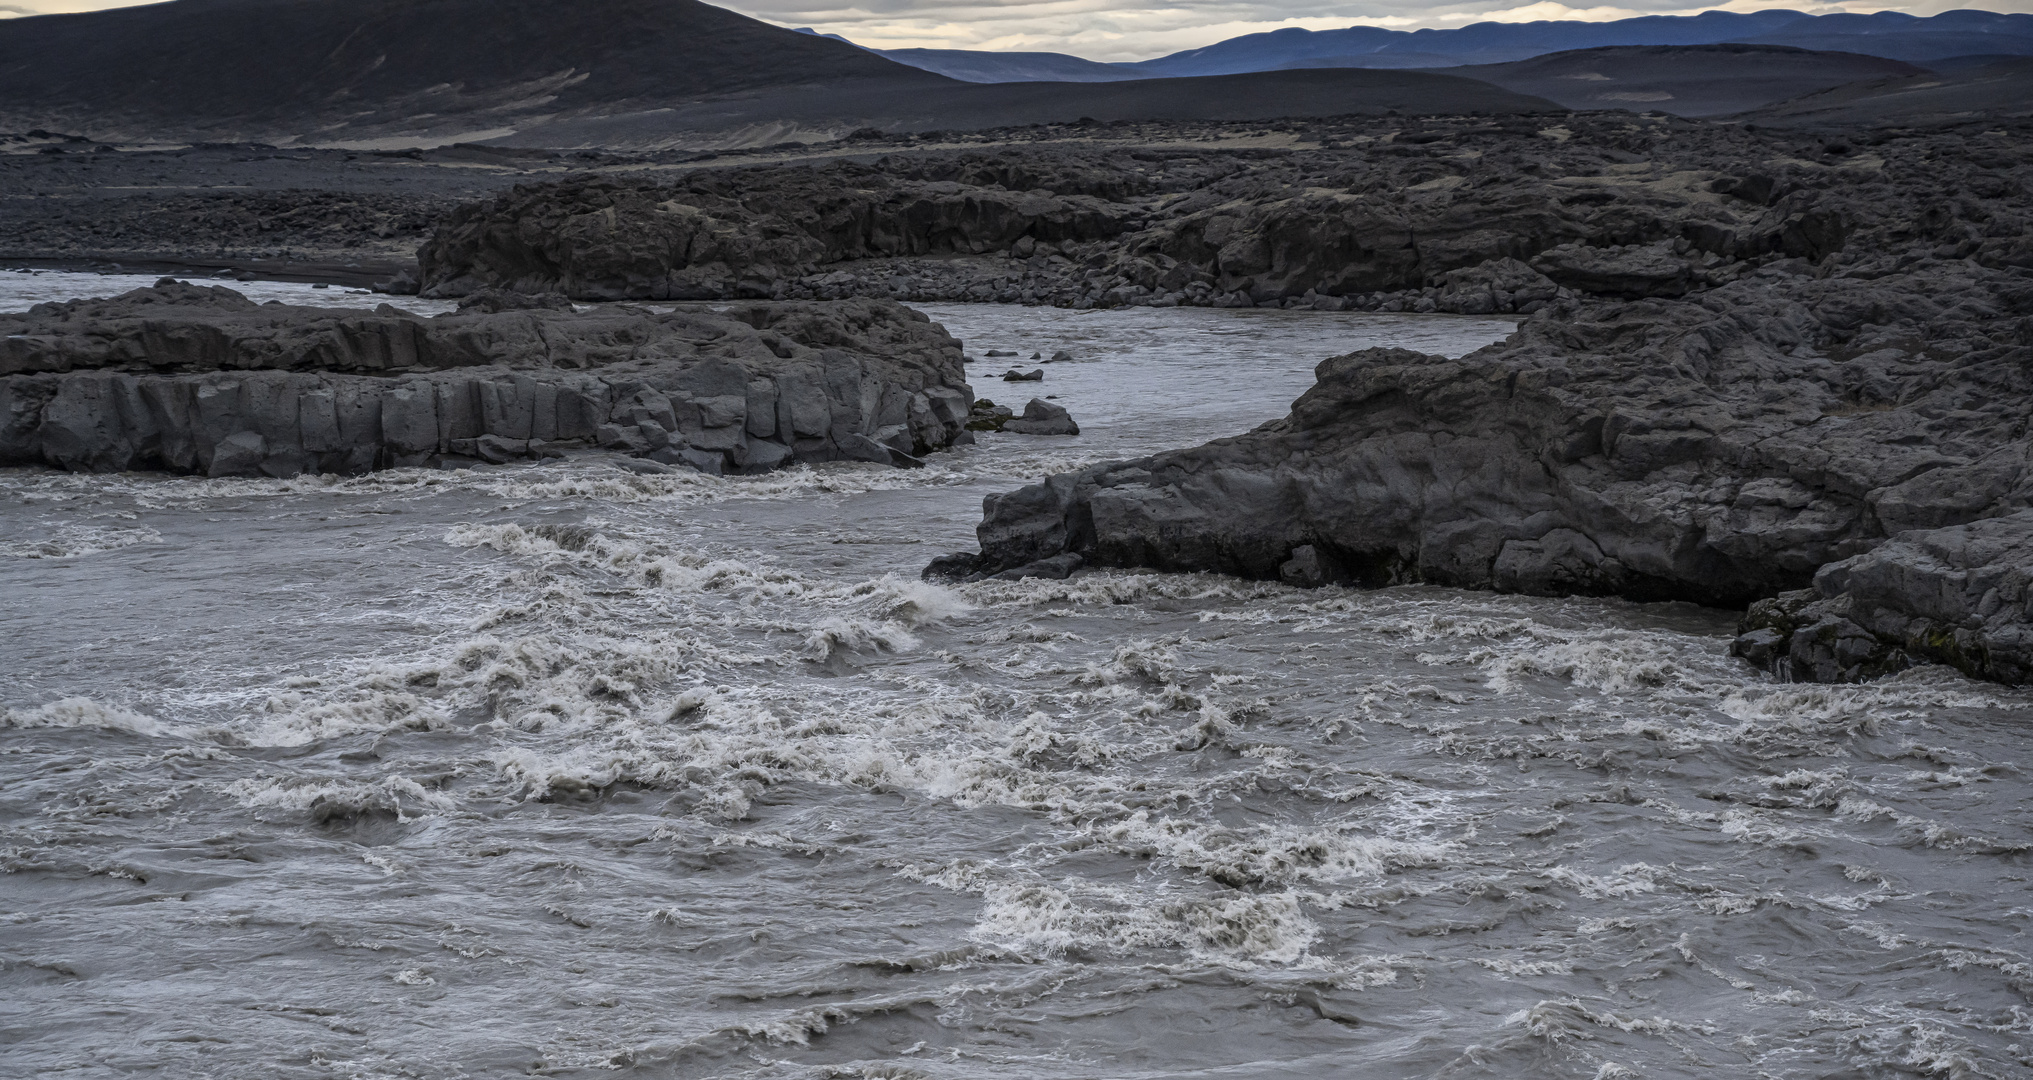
(564, 770)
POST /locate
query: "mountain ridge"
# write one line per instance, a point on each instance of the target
(254, 68)
(1890, 35)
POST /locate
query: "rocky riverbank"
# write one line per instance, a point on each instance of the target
(1850, 435)
(201, 380)
(1749, 357)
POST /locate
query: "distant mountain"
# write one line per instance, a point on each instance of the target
(2002, 89)
(1686, 80)
(1885, 34)
(981, 66)
(338, 69)
(975, 66)
(1904, 37)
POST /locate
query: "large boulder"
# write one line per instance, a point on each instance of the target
(1041, 417)
(198, 380)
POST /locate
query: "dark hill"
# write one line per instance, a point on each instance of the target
(787, 115)
(274, 68)
(978, 66)
(2003, 89)
(1685, 80)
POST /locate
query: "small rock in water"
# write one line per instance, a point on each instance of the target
(1059, 357)
(1013, 375)
(1036, 356)
(1001, 352)
(988, 416)
(641, 466)
(955, 566)
(403, 283)
(1041, 417)
(1310, 568)
(494, 301)
(1058, 567)
(497, 450)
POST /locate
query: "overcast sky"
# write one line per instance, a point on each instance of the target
(1139, 29)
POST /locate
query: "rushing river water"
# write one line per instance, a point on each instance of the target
(561, 770)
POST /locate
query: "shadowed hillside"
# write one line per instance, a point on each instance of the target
(2002, 89)
(274, 68)
(1685, 80)
(977, 66)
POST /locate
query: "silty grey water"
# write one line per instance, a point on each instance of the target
(562, 770)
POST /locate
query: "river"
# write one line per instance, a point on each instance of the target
(556, 769)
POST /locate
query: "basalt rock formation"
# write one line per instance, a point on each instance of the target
(728, 234)
(202, 380)
(1962, 595)
(1847, 431)
(1386, 214)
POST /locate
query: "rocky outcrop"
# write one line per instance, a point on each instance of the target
(1961, 595)
(1440, 214)
(197, 380)
(1766, 436)
(741, 233)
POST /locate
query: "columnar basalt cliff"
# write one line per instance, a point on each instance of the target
(202, 380)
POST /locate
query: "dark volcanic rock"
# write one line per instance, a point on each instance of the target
(1720, 449)
(191, 379)
(1385, 214)
(1836, 426)
(738, 233)
(1961, 595)
(1041, 417)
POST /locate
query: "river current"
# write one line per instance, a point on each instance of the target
(557, 769)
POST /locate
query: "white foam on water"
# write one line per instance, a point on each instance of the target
(77, 541)
(691, 775)
(23, 289)
(78, 712)
(400, 797)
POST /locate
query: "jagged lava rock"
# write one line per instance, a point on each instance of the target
(1961, 595)
(202, 380)
(1721, 449)
(737, 233)
(1607, 204)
